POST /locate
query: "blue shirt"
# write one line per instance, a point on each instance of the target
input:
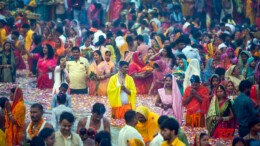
(54, 102)
(244, 109)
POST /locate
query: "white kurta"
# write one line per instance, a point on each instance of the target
(127, 133)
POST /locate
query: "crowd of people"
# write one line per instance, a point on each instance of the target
(198, 59)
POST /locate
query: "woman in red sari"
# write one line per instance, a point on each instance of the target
(46, 65)
(159, 72)
(15, 118)
(142, 75)
(220, 114)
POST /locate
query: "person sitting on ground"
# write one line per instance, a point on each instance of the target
(48, 136)
(65, 136)
(56, 112)
(63, 89)
(128, 132)
(147, 124)
(158, 139)
(96, 120)
(170, 129)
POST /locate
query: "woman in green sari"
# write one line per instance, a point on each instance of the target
(179, 72)
(250, 68)
(7, 64)
(220, 115)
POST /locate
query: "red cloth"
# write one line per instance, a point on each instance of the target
(18, 56)
(115, 9)
(137, 66)
(194, 104)
(43, 80)
(253, 93)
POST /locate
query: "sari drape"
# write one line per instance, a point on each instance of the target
(150, 127)
(14, 131)
(193, 69)
(45, 76)
(235, 80)
(229, 61)
(137, 66)
(18, 56)
(209, 70)
(250, 70)
(217, 109)
(115, 10)
(159, 75)
(179, 73)
(240, 61)
(99, 87)
(59, 51)
(173, 99)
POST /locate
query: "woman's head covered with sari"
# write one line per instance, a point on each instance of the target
(242, 58)
(135, 142)
(161, 66)
(193, 69)
(16, 96)
(184, 65)
(147, 124)
(201, 139)
(250, 70)
(137, 58)
(229, 90)
(229, 72)
(176, 98)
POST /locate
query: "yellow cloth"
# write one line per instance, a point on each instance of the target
(2, 138)
(176, 142)
(3, 36)
(122, 50)
(112, 51)
(78, 72)
(28, 39)
(14, 132)
(235, 80)
(135, 142)
(113, 91)
(150, 127)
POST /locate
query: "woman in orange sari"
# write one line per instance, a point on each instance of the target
(59, 48)
(99, 75)
(142, 75)
(15, 118)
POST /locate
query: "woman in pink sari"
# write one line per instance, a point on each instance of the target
(46, 66)
(115, 9)
(169, 99)
(141, 74)
(100, 73)
(159, 72)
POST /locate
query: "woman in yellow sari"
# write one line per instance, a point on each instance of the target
(234, 74)
(147, 124)
(15, 118)
(99, 75)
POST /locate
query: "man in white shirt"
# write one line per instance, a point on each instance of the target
(189, 52)
(65, 137)
(57, 111)
(128, 132)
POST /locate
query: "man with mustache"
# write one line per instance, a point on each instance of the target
(37, 122)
